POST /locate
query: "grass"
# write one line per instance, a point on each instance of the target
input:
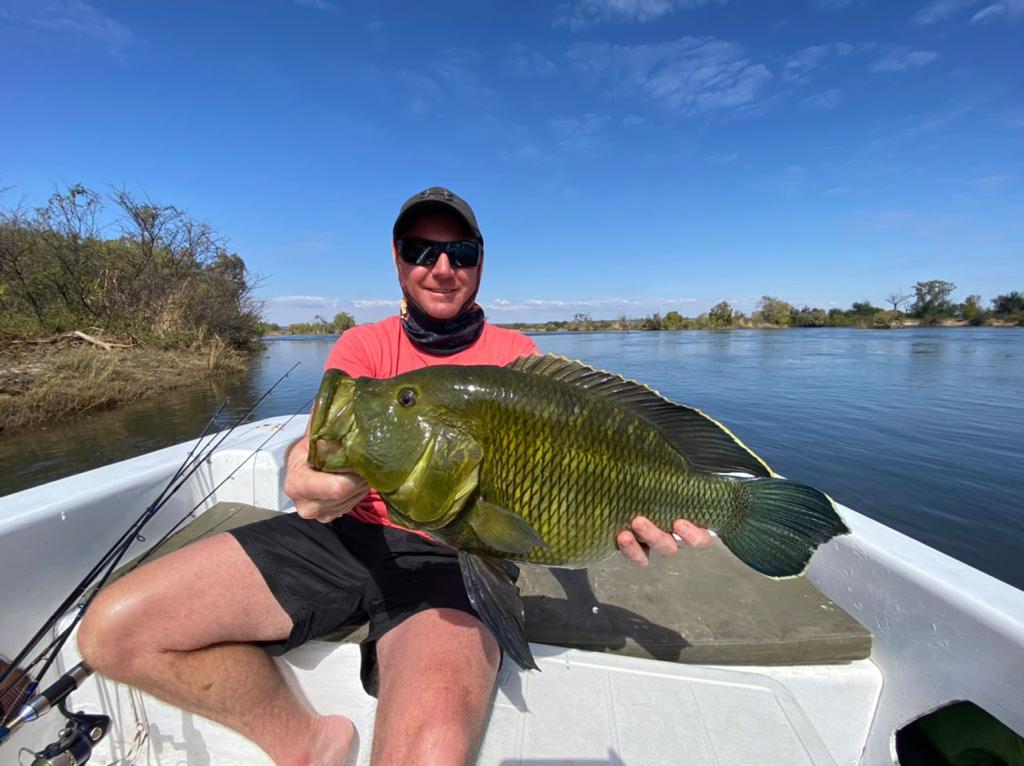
(45, 384)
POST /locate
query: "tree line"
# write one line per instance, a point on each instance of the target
(930, 303)
(163, 277)
(319, 326)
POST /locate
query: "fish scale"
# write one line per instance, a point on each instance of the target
(591, 442)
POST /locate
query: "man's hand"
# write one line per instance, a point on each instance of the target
(317, 494)
(644, 537)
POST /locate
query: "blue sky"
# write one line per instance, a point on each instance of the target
(623, 156)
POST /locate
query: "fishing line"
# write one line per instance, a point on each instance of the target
(121, 546)
(83, 585)
(185, 518)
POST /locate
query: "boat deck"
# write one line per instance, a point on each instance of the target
(583, 709)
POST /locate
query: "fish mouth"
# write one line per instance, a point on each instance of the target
(332, 422)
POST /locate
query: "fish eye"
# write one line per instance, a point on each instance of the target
(407, 397)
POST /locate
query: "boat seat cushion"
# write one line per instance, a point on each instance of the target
(701, 606)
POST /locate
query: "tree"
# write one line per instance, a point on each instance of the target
(897, 300)
(653, 322)
(581, 322)
(839, 318)
(773, 311)
(932, 299)
(720, 315)
(810, 317)
(674, 321)
(863, 309)
(166, 278)
(972, 311)
(1011, 303)
(343, 321)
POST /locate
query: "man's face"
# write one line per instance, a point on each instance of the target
(441, 290)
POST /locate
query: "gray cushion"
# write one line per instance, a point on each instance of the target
(699, 606)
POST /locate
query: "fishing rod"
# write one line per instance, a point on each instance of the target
(184, 472)
(94, 727)
(39, 704)
(83, 585)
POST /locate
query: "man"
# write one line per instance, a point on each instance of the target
(184, 627)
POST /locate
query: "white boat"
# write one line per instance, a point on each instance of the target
(940, 632)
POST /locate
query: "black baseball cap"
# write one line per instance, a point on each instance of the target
(437, 197)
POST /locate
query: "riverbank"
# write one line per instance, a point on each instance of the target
(42, 383)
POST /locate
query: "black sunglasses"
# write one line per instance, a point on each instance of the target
(462, 254)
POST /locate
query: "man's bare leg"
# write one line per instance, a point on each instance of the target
(437, 672)
(174, 628)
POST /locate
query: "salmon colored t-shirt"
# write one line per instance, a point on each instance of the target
(383, 350)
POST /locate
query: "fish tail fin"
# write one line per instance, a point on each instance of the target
(783, 523)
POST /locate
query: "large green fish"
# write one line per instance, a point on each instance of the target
(546, 461)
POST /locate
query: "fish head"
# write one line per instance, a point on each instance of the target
(400, 436)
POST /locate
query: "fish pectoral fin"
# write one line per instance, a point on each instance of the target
(496, 600)
(503, 530)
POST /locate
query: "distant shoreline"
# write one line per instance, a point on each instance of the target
(540, 329)
(905, 325)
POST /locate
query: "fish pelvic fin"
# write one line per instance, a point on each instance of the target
(706, 444)
(501, 529)
(496, 600)
(783, 524)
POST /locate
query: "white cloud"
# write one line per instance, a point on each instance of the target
(828, 99)
(77, 17)
(320, 5)
(424, 91)
(454, 73)
(1008, 10)
(940, 10)
(571, 305)
(579, 14)
(689, 75)
(525, 153)
(302, 300)
(900, 59)
(809, 59)
(579, 133)
(989, 183)
(523, 61)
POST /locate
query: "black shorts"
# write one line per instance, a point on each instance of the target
(341, 574)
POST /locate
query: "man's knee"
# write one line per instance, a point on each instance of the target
(103, 639)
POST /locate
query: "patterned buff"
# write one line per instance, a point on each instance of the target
(442, 336)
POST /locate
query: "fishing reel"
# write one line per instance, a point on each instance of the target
(76, 740)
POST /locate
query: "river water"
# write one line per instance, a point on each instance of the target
(921, 429)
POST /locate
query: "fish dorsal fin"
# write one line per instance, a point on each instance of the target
(703, 441)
